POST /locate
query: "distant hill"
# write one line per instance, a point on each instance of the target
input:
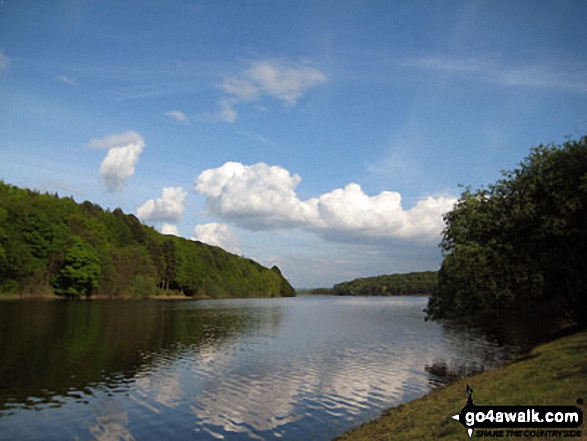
(416, 283)
(55, 246)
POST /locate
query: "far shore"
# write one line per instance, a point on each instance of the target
(52, 297)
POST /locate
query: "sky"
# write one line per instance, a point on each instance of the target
(325, 137)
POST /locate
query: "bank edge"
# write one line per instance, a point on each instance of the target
(553, 373)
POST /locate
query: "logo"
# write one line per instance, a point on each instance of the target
(519, 417)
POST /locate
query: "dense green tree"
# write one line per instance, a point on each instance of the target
(169, 263)
(3, 240)
(81, 274)
(518, 247)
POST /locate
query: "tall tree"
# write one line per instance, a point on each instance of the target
(519, 246)
(81, 274)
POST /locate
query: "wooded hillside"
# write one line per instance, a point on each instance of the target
(55, 246)
(416, 283)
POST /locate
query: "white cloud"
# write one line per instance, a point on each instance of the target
(491, 70)
(227, 112)
(116, 140)
(220, 235)
(4, 61)
(168, 208)
(258, 196)
(119, 165)
(286, 82)
(178, 115)
(123, 154)
(263, 197)
(352, 213)
(169, 229)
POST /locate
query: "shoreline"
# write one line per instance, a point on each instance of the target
(552, 373)
(28, 297)
(52, 298)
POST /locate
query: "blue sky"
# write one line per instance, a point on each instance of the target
(327, 138)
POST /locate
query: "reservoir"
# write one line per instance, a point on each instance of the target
(305, 368)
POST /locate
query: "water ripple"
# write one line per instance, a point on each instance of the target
(284, 369)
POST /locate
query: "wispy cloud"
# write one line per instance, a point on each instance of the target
(66, 79)
(256, 137)
(226, 112)
(177, 115)
(4, 61)
(275, 78)
(116, 140)
(280, 80)
(491, 69)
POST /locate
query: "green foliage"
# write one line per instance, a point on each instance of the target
(52, 244)
(320, 291)
(519, 246)
(416, 283)
(81, 273)
(284, 287)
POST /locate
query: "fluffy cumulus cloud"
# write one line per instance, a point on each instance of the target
(257, 196)
(264, 197)
(169, 229)
(277, 79)
(123, 154)
(220, 235)
(349, 211)
(168, 208)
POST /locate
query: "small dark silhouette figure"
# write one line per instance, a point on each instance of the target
(470, 392)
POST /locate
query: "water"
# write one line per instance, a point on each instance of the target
(273, 369)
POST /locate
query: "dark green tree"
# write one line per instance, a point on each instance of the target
(519, 246)
(81, 274)
(169, 264)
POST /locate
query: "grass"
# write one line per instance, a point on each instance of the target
(553, 373)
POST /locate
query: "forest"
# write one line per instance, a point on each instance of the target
(415, 283)
(517, 249)
(53, 246)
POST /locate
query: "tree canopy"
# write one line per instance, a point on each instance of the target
(415, 283)
(518, 248)
(51, 245)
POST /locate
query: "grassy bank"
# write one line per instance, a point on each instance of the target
(552, 373)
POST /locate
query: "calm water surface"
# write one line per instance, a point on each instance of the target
(290, 369)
